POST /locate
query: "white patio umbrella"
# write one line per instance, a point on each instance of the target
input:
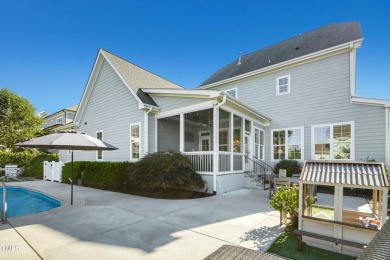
(68, 141)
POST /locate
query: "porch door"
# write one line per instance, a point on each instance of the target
(205, 144)
(247, 150)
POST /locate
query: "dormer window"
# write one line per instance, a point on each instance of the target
(283, 85)
(59, 120)
(232, 92)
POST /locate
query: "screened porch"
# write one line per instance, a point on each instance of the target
(214, 139)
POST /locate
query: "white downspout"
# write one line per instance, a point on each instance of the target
(146, 131)
(216, 141)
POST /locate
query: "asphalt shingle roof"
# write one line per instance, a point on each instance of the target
(138, 78)
(316, 40)
(379, 247)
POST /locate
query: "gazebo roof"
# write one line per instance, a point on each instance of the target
(367, 174)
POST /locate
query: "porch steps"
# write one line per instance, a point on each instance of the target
(251, 183)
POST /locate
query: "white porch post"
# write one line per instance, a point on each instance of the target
(384, 205)
(387, 119)
(301, 201)
(231, 141)
(182, 132)
(215, 148)
(243, 143)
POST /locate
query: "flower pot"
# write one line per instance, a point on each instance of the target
(294, 220)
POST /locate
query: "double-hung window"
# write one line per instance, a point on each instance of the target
(283, 85)
(135, 141)
(259, 144)
(287, 144)
(99, 154)
(333, 142)
(59, 120)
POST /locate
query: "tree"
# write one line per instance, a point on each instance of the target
(18, 120)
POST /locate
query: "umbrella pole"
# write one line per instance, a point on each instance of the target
(71, 183)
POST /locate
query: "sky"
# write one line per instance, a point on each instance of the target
(47, 48)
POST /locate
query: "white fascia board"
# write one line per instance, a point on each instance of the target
(183, 92)
(140, 103)
(344, 46)
(371, 101)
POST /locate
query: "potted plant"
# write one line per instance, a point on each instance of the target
(286, 200)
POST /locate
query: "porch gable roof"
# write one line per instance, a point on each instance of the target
(216, 95)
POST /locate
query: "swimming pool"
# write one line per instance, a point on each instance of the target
(23, 201)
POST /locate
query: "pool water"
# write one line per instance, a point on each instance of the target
(22, 201)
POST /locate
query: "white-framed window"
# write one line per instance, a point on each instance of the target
(204, 141)
(233, 92)
(99, 154)
(259, 143)
(135, 141)
(59, 120)
(287, 144)
(283, 85)
(333, 141)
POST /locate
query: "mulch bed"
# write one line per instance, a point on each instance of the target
(173, 194)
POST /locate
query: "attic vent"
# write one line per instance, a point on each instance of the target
(239, 59)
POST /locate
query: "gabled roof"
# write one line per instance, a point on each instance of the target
(138, 78)
(313, 41)
(72, 108)
(368, 174)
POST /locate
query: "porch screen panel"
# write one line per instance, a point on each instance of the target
(237, 138)
(198, 128)
(168, 134)
(224, 131)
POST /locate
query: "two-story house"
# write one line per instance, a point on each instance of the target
(293, 100)
(58, 119)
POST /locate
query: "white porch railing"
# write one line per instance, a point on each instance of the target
(203, 161)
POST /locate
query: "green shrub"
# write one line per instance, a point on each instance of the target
(100, 175)
(21, 159)
(291, 166)
(164, 169)
(35, 167)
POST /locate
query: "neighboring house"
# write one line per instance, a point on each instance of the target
(58, 120)
(293, 100)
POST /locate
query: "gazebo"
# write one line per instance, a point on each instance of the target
(342, 205)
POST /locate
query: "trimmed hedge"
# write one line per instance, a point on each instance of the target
(161, 169)
(35, 167)
(291, 166)
(100, 175)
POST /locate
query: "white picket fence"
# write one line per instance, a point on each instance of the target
(52, 171)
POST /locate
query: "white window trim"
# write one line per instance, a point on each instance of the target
(235, 89)
(352, 123)
(140, 142)
(288, 85)
(254, 140)
(59, 120)
(302, 128)
(97, 152)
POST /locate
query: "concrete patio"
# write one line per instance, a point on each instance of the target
(110, 225)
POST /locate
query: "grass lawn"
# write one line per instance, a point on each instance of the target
(286, 245)
(322, 212)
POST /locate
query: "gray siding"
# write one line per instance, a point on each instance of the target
(320, 94)
(111, 108)
(170, 103)
(70, 116)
